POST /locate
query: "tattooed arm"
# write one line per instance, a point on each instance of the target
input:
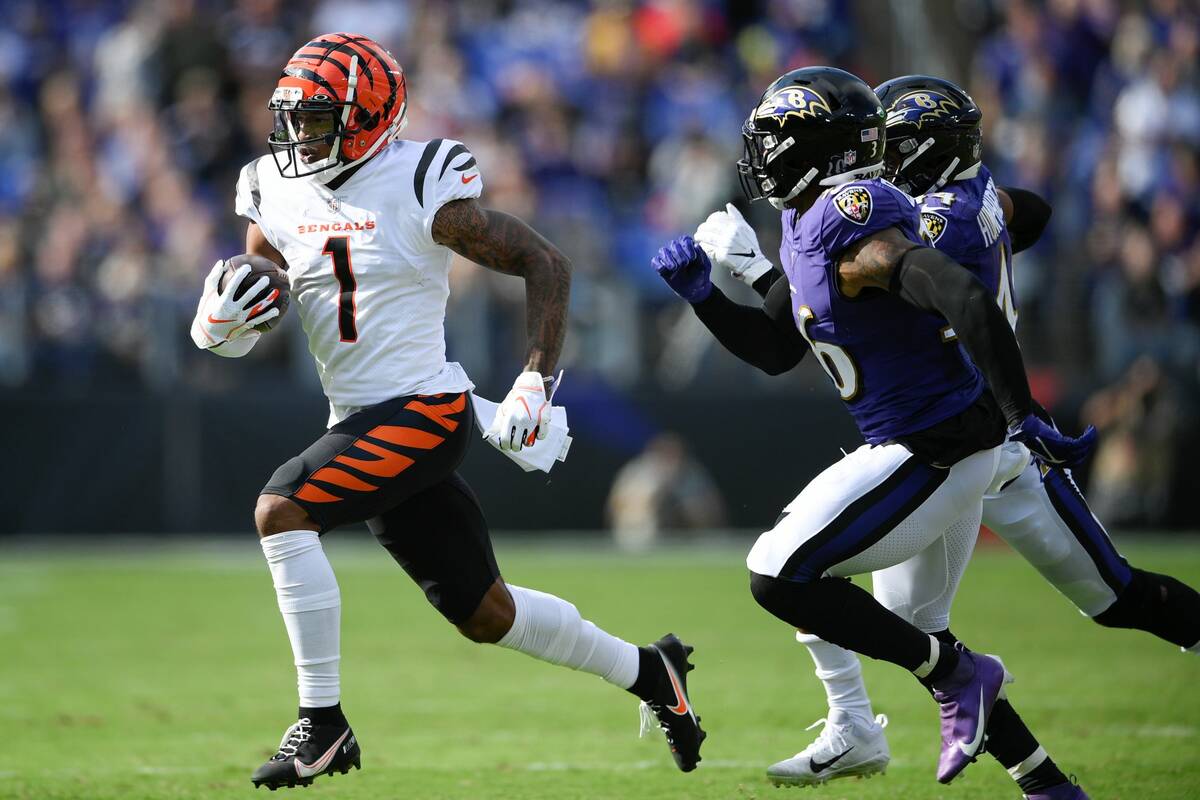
(503, 243)
(933, 282)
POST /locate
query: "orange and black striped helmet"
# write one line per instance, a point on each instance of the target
(354, 80)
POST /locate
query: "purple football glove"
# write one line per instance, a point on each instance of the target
(1052, 447)
(685, 268)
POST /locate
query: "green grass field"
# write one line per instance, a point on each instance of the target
(165, 673)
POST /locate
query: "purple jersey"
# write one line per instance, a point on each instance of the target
(965, 221)
(886, 357)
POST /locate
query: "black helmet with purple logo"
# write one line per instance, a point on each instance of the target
(933, 132)
(813, 125)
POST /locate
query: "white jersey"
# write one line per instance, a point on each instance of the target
(368, 280)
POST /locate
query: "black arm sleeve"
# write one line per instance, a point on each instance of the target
(765, 337)
(934, 283)
(766, 281)
(1030, 216)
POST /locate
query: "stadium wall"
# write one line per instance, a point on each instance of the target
(120, 463)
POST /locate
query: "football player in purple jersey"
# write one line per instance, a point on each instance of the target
(871, 302)
(934, 153)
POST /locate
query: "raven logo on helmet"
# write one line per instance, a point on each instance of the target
(920, 107)
(797, 101)
(854, 203)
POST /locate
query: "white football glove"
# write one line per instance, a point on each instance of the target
(729, 241)
(220, 318)
(523, 417)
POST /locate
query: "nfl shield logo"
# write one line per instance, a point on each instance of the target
(854, 203)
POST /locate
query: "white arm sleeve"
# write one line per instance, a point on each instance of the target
(248, 202)
(451, 175)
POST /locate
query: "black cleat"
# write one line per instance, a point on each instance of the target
(671, 708)
(308, 751)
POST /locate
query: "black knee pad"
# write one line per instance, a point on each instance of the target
(1132, 605)
(842, 614)
(798, 603)
(778, 596)
(1158, 604)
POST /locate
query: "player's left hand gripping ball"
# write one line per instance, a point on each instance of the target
(685, 268)
(227, 314)
(523, 417)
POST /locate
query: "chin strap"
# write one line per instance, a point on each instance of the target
(968, 173)
(869, 171)
(801, 185)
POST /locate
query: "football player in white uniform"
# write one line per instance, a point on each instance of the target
(364, 223)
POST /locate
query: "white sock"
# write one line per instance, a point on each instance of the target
(312, 608)
(841, 673)
(551, 629)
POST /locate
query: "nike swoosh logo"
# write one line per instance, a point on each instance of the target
(745, 255)
(469, 178)
(817, 766)
(308, 770)
(971, 749)
(681, 704)
(216, 321)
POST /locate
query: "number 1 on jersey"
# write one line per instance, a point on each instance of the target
(338, 247)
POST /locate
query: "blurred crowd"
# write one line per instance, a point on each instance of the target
(611, 125)
(1096, 105)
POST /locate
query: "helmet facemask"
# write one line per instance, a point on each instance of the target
(348, 118)
(760, 178)
(289, 103)
(922, 163)
(764, 170)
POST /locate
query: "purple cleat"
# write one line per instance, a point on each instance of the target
(966, 696)
(1064, 791)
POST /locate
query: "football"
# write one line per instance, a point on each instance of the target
(278, 285)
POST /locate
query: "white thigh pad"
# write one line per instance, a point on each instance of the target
(875, 508)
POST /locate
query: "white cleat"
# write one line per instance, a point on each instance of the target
(847, 747)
